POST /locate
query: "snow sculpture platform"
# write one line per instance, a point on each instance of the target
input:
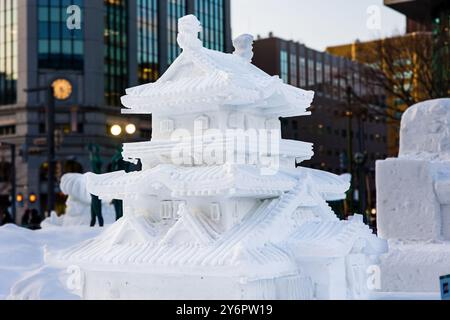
(211, 216)
(413, 195)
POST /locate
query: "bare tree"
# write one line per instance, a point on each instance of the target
(402, 66)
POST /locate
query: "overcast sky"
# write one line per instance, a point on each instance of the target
(317, 23)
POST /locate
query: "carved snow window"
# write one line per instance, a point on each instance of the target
(167, 125)
(203, 122)
(166, 210)
(236, 120)
(215, 212)
(176, 206)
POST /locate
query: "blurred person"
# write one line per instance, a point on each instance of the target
(35, 220)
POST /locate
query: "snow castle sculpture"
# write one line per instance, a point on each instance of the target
(211, 216)
(414, 201)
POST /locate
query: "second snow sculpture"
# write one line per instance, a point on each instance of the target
(413, 195)
(212, 216)
(78, 204)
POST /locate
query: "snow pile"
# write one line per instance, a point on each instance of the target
(23, 273)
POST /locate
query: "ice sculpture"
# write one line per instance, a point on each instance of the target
(211, 216)
(414, 201)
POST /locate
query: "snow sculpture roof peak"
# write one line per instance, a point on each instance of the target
(188, 29)
(243, 46)
(201, 79)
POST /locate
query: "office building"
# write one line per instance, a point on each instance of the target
(94, 50)
(339, 130)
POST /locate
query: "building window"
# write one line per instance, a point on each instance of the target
(5, 172)
(58, 46)
(7, 130)
(116, 46)
(8, 52)
(293, 70)
(147, 40)
(284, 66)
(302, 62)
(311, 69)
(211, 15)
(335, 75)
(175, 10)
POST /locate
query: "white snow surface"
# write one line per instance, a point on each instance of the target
(25, 276)
(23, 273)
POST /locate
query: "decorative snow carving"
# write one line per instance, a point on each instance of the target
(243, 46)
(247, 233)
(202, 122)
(215, 212)
(166, 210)
(189, 27)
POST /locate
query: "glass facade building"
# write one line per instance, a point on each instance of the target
(211, 15)
(8, 52)
(129, 59)
(116, 50)
(58, 46)
(147, 42)
(175, 10)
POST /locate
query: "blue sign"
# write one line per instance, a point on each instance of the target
(445, 287)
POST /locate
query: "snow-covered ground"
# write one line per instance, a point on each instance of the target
(24, 275)
(22, 261)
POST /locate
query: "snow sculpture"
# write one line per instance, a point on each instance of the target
(414, 201)
(78, 204)
(212, 215)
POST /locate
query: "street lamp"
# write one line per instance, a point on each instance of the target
(130, 129)
(60, 89)
(32, 197)
(116, 130)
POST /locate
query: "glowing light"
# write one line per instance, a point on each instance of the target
(19, 197)
(116, 130)
(130, 128)
(32, 198)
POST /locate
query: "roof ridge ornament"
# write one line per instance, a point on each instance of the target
(243, 46)
(188, 29)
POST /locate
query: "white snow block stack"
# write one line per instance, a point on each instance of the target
(413, 201)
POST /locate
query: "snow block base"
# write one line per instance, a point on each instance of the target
(119, 285)
(414, 267)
